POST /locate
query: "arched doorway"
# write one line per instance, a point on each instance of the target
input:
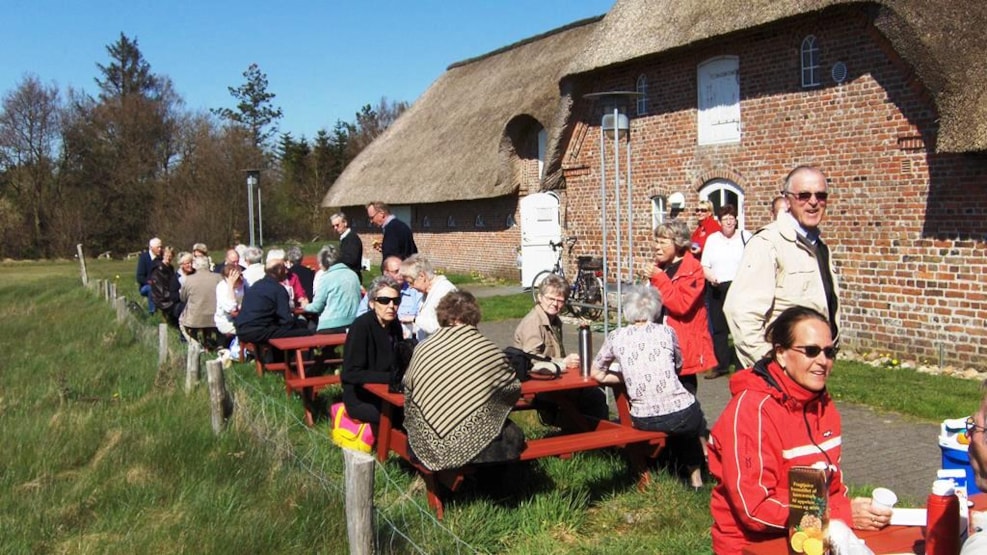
(721, 192)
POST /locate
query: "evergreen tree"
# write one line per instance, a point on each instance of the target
(254, 109)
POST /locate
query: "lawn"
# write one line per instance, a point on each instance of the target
(104, 452)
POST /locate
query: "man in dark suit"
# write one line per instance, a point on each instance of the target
(398, 240)
(350, 245)
(146, 262)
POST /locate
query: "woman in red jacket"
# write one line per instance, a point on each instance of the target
(780, 416)
(679, 278)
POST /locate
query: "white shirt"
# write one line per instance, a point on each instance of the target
(722, 256)
(427, 322)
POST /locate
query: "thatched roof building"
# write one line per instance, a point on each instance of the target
(453, 143)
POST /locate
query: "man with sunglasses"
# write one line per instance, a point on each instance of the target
(784, 264)
(977, 433)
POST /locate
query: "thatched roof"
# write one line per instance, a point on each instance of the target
(450, 144)
(942, 41)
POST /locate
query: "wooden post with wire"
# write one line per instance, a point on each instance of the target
(121, 305)
(219, 403)
(162, 344)
(82, 264)
(192, 360)
(359, 478)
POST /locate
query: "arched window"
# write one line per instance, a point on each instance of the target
(642, 101)
(719, 101)
(810, 62)
(721, 192)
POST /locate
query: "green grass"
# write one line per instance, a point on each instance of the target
(506, 307)
(104, 452)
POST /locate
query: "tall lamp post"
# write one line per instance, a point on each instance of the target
(615, 125)
(253, 180)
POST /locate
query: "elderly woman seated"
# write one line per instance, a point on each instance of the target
(418, 271)
(459, 391)
(540, 333)
(337, 294)
(648, 359)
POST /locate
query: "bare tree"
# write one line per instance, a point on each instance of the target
(29, 139)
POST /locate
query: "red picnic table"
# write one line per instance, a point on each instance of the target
(886, 541)
(295, 379)
(592, 434)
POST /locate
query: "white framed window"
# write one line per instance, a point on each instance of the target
(810, 62)
(451, 221)
(721, 192)
(719, 100)
(426, 222)
(479, 221)
(642, 101)
(659, 204)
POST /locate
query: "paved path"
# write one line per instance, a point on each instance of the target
(879, 449)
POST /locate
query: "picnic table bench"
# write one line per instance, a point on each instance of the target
(296, 363)
(639, 445)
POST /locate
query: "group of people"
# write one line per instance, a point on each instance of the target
(775, 292)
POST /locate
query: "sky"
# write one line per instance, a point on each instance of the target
(324, 59)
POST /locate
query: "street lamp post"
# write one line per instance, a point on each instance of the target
(253, 180)
(615, 125)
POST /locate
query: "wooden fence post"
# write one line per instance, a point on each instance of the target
(359, 477)
(82, 264)
(162, 344)
(121, 305)
(218, 402)
(192, 365)
(113, 291)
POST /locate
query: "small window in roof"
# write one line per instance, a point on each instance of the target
(810, 62)
(642, 101)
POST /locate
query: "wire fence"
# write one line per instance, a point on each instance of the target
(403, 521)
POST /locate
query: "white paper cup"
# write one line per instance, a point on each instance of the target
(883, 497)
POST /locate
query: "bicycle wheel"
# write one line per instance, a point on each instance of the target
(587, 297)
(536, 282)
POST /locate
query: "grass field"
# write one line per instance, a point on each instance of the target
(105, 453)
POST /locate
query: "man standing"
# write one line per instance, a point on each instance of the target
(146, 262)
(784, 264)
(398, 240)
(350, 245)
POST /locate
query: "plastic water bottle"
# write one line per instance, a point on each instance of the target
(585, 350)
(942, 530)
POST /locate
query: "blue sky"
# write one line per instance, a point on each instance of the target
(324, 58)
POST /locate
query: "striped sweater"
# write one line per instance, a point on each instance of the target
(459, 390)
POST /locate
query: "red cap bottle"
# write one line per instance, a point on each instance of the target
(942, 530)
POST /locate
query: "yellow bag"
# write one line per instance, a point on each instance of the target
(349, 433)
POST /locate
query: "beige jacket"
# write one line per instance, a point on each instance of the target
(534, 335)
(776, 272)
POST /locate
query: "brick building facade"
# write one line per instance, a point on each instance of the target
(905, 224)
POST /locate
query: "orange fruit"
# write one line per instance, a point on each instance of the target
(813, 546)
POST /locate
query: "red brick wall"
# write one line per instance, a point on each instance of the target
(906, 225)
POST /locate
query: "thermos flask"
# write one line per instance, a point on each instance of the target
(942, 531)
(585, 350)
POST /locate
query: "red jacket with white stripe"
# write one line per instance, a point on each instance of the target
(770, 425)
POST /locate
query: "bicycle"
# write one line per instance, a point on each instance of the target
(586, 291)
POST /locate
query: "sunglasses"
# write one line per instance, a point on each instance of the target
(701, 210)
(812, 351)
(388, 300)
(971, 426)
(804, 196)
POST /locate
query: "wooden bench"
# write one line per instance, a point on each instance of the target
(294, 368)
(639, 445)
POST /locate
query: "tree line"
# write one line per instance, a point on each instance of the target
(113, 169)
